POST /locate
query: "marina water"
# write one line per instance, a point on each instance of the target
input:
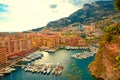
(61, 56)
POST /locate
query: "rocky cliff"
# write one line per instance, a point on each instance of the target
(106, 64)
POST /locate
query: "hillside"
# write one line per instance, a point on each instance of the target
(106, 64)
(89, 13)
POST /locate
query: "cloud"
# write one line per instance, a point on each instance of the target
(3, 8)
(29, 14)
(53, 6)
(81, 2)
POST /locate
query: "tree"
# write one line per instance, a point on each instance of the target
(117, 4)
(113, 30)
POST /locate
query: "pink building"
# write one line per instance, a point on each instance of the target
(3, 56)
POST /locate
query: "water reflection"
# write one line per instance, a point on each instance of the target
(62, 57)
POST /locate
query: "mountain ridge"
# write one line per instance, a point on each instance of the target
(89, 13)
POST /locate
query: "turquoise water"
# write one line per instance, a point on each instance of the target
(72, 68)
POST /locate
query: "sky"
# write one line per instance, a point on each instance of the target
(22, 15)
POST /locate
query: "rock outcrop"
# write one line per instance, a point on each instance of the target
(106, 64)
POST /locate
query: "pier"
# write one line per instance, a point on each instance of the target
(19, 65)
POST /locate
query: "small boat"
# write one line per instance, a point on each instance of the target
(13, 69)
(26, 69)
(53, 71)
(22, 67)
(45, 71)
(56, 71)
(48, 70)
(59, 72)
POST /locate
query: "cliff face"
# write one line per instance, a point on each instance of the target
(106, 64)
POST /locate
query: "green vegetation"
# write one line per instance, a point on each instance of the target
(67, 34)
(108, 38)
(117, 4)
(117, 63)
(111, 33)
(118, 58)
(113, 30)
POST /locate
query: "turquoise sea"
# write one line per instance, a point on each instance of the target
(74, 69)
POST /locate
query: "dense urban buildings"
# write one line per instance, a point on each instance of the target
(16, 44)
(3, 58)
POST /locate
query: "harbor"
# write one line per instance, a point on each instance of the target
(33, 56)
(82, 55)
(52, 66)
(7, 70)
(85, 54)
(73, 48)
(45, 68)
